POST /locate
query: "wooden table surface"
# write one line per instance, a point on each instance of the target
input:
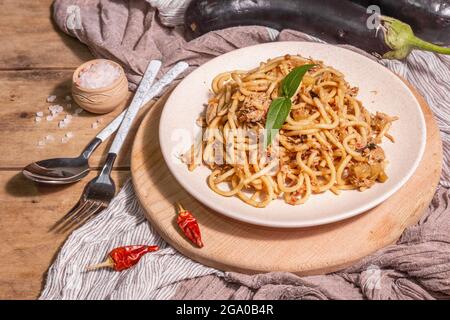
(37, 60)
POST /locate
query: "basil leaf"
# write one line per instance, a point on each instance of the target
(277, 114)
(290, 83)
(280, 107)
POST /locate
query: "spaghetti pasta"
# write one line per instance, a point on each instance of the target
(329, 141)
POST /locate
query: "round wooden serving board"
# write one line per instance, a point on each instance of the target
(232, 245)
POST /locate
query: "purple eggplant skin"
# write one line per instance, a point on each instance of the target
(332, 21)
(335, 21)
(430, 19)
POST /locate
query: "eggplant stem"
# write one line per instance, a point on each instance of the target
(400, 37)
(428, 46)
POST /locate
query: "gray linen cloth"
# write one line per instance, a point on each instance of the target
(416, 267)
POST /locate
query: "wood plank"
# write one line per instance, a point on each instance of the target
(28, 211)
(23, 93)
(31, 40)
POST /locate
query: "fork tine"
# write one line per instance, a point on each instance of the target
(83, 217)
(74, 218)
(77, 220)
(74, 211)
(93, 213)
(80, 217)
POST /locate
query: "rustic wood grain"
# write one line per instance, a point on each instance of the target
(23, 93)
(236, 246)
(27, 212)
(36, 60)
(30, 39)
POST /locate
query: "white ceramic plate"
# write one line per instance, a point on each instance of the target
(379, 90)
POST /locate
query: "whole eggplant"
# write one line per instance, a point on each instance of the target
(335, 21)
(430, 19)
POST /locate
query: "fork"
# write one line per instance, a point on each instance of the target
(99, 192)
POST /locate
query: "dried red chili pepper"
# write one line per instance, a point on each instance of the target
(122, 258)
(188, 224)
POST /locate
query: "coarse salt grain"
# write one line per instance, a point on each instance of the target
(51, 98)
(41, 143)
(38, 119)
(78, 110)
(99, 75)
(49, 137)
(69, 135)
(56, 108)
(64, 139)
(40, 114)
(68, 116)
(94, 125)
(49, 118)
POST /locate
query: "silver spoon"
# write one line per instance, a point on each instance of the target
(69, 170)
(62, 170)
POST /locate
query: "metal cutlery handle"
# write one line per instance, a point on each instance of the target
(148, 93)
(111, 127)
(140, 97)
(114, 125)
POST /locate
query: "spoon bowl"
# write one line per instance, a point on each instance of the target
(61, 170)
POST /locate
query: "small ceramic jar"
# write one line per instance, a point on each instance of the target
(99, 100)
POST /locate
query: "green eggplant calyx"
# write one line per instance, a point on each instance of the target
(400, 37)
